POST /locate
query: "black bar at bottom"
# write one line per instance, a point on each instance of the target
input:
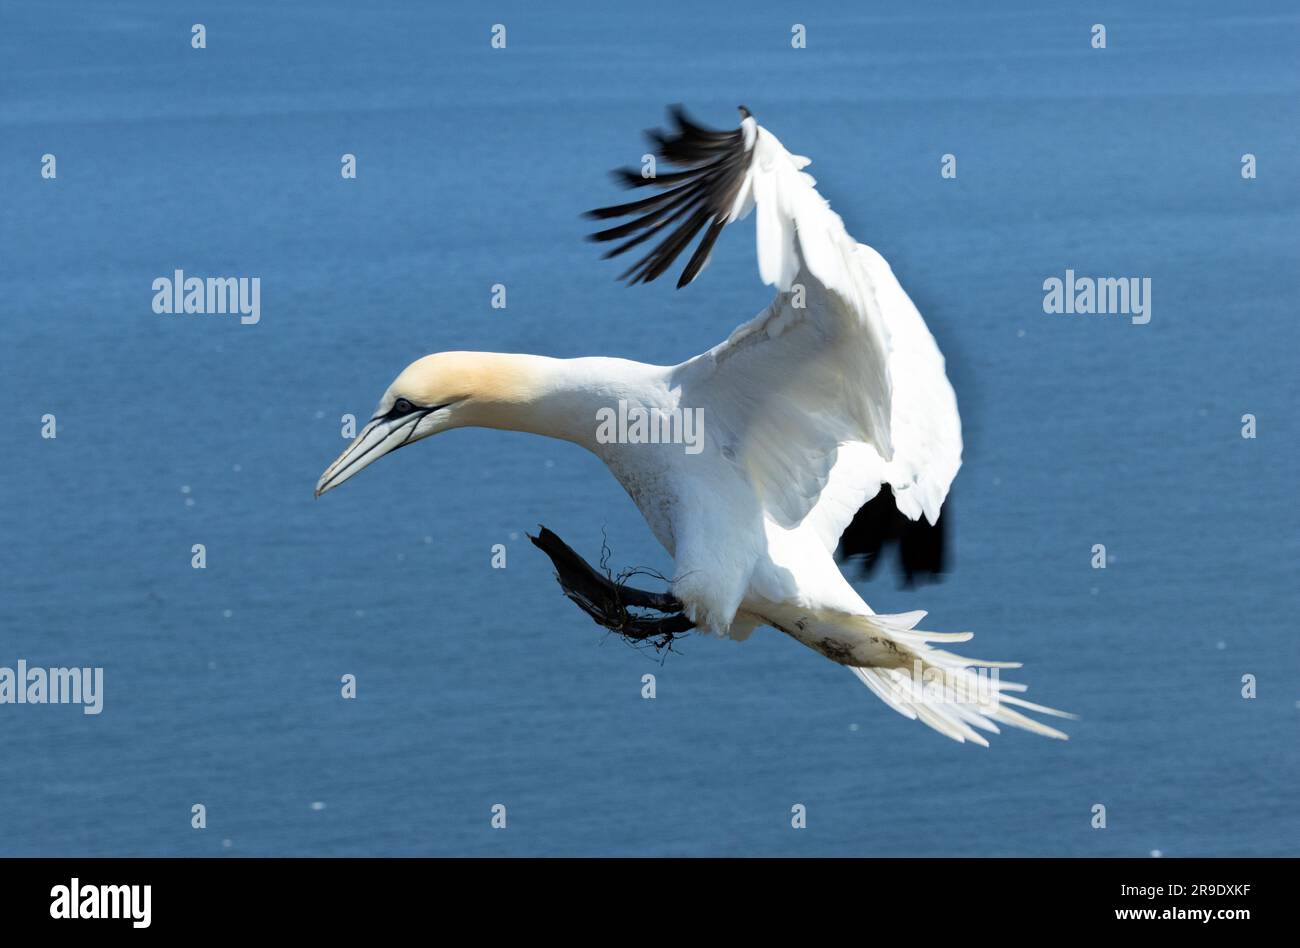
(334, 897)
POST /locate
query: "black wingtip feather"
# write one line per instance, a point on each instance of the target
(922, 546)
(701, 255)
(710, 169)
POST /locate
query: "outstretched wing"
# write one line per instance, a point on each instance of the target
(837, 387)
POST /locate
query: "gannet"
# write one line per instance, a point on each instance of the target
(832, 393)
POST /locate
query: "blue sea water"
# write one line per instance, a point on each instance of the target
(479, 686)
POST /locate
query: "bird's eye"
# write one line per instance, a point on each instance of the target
(402, 407)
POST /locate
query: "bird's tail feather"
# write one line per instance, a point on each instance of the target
(957, 696)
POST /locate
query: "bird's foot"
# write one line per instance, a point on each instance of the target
(609, 600)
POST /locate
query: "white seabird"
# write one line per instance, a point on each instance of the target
(834, 391)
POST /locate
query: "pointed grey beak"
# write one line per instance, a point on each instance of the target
(381, 436)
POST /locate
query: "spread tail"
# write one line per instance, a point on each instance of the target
(957, 696)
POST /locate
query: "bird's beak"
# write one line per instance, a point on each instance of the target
(378, 438)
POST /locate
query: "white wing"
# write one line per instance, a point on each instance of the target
(924, 424)
(836, 387)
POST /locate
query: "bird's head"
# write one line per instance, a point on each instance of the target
(438, 392)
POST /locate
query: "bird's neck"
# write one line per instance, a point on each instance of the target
(556, 398)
